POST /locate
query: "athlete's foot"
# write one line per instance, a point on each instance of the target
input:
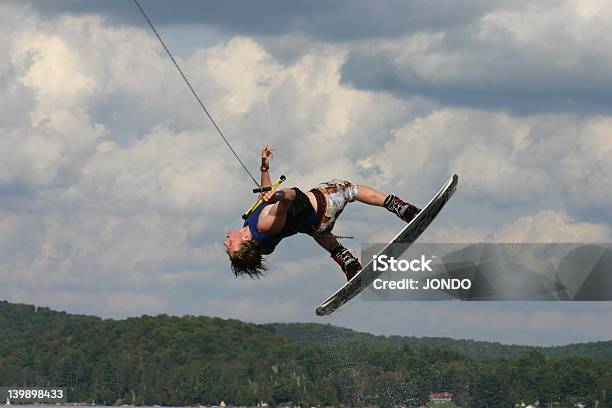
(348, 262)
(402, 209)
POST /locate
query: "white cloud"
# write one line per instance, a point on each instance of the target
(524, 57)
(457, 234)
(164, 171)
(485, 149)
(48, 149)
(117, 190)
(503, 160)
(97, 251)
(53, 70)
(122, 210)
(553, 226)
(545, 226)
(242, 69)
(587, 167)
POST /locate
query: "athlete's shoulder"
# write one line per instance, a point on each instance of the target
(267, 218)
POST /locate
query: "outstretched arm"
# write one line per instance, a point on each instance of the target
(266, 155)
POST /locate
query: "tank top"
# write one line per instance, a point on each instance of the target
(301, 216)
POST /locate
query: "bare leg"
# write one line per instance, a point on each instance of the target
(350, 264)
(326, 242)
(404, 210)
(370, 196)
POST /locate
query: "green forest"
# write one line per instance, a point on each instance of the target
(192, 360)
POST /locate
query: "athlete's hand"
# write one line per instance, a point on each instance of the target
(272, 196)
(267, 153)
(265, 197)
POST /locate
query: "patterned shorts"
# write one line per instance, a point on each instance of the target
(337, 194)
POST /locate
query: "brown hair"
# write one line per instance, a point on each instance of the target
(248, 260)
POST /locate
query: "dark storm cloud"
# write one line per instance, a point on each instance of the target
(497, 70)
(329, 20)
(491, 74)
(554, 92)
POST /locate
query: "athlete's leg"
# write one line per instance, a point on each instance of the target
(370, 196)
(329, 242)
(404, 210)
(340, 192)
(350, 264)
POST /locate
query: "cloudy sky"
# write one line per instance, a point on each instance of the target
(115, 191)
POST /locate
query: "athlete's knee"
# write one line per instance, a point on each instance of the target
(350, 190)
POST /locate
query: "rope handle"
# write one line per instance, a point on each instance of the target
(266, 189)
(259, 201)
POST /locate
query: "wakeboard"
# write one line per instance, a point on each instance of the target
(406, 236)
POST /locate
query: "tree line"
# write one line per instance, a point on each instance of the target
(191, 360)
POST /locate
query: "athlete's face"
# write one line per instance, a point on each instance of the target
(233, 239)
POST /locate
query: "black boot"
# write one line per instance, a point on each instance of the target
(400, 208)
(350, 264)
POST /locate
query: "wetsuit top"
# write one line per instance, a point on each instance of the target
(301, 216)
